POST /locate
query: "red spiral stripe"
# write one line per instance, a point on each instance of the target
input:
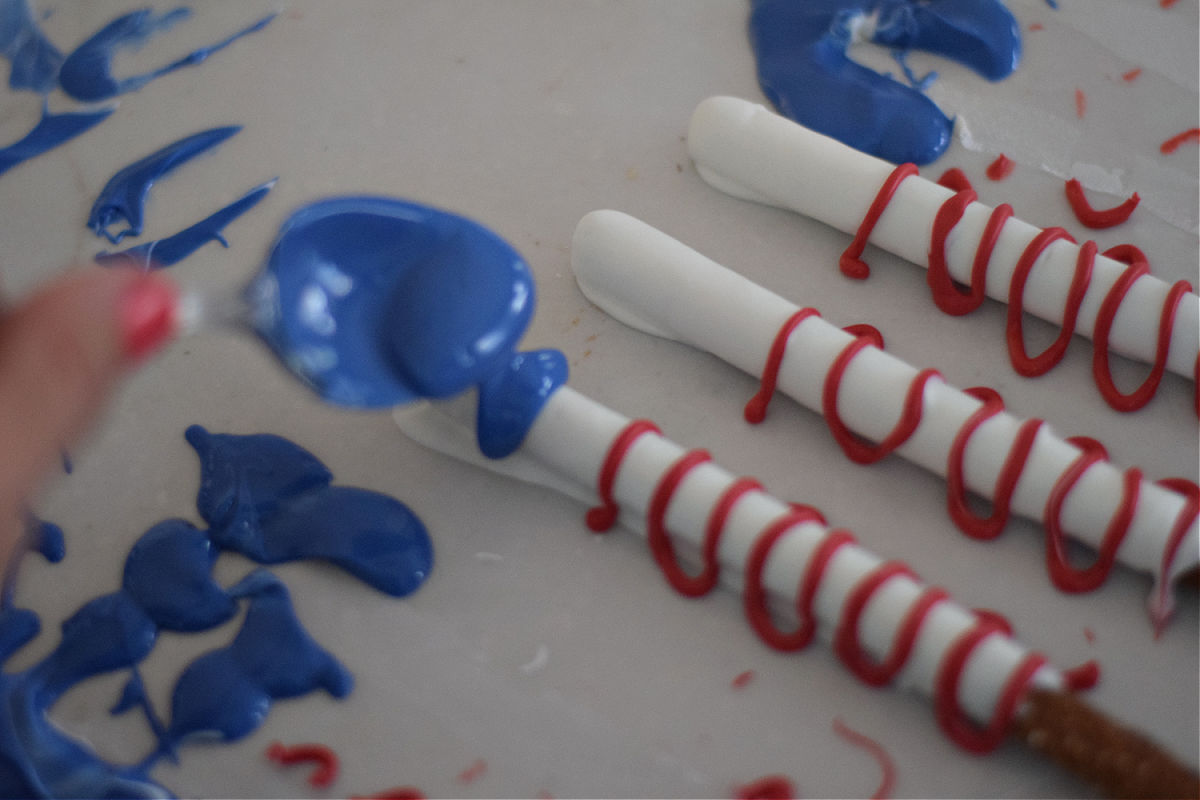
(604, 516)
(952, 300)
(988, 527)
(847, 636)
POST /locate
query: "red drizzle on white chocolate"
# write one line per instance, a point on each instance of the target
(846, 636)
(952, 300)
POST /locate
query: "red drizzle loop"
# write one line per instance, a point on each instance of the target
(952, 300)
(946, 706)
(955, 180)
(1025, 365)
(851, 262)
(975, 525)
(1066, 577)
(1138, 267)
(1006, 482)
(856, 449)
(756, 409)
(323, 775)
(847, 642)
(604, 516)
(1098, 218)
(1162, 605)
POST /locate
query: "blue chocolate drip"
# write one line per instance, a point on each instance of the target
(86, 74)
(50, 131)
(170, 251)
(377, 302)
(124, 196)
(511, 399)
(228, 692)
(269, 467)
(266, 498)
(34, 60)
(168, 572)
(282, 508)
(804, 71)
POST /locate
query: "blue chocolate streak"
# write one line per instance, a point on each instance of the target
(173, 249)
(376, 302)
(271, 501)
(34, 60)
(50, 131)
(803, 69)
(86, 74)
(124, 196)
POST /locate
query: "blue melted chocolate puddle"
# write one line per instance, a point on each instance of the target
(263, 497)
(800, 47)
(377, 302)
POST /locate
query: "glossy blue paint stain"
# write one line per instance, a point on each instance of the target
(800, 47)
(173, 249)
(34, 60)
(86, 74)
(124, 196)
(377, 302)
(264, 496)
(50, 131)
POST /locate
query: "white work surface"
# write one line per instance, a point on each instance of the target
(560, 658)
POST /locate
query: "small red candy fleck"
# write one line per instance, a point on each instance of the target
(1080, 103)
(1001, 168)
(743, 679)
(1132, 75)
(1167, 3)
(1037, 26)
(395, 793)
(772, 787)
(326, 760)
(473, 772)
(1172, 144)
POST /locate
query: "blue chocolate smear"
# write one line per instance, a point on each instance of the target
(34, 60)
(266, 498)
(50, 131)
(173, 249)
(803, 69)
(86, 74)
(228, 692)
(376, 302)
(124, 196)
(283, 509)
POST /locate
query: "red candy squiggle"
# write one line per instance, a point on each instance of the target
(604, 516)
(952, 300)
(1179, 139)
(1098, 218)
(886, 765)
(847, 642)
(327, 764)
(756, 408)
(977, 526)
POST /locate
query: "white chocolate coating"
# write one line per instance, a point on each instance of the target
(568, 445)
(746, 150)
(656, 284)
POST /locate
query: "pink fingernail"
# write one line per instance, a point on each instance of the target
(147, 317)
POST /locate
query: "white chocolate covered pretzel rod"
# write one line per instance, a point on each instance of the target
(884, 624)
(750, 152)
(656, 284)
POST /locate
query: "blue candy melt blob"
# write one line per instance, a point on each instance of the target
(377, 302)
(173, 249)
(800, 47)
(269, 500)
(34, 60)
(124, 196)
(86, 74)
